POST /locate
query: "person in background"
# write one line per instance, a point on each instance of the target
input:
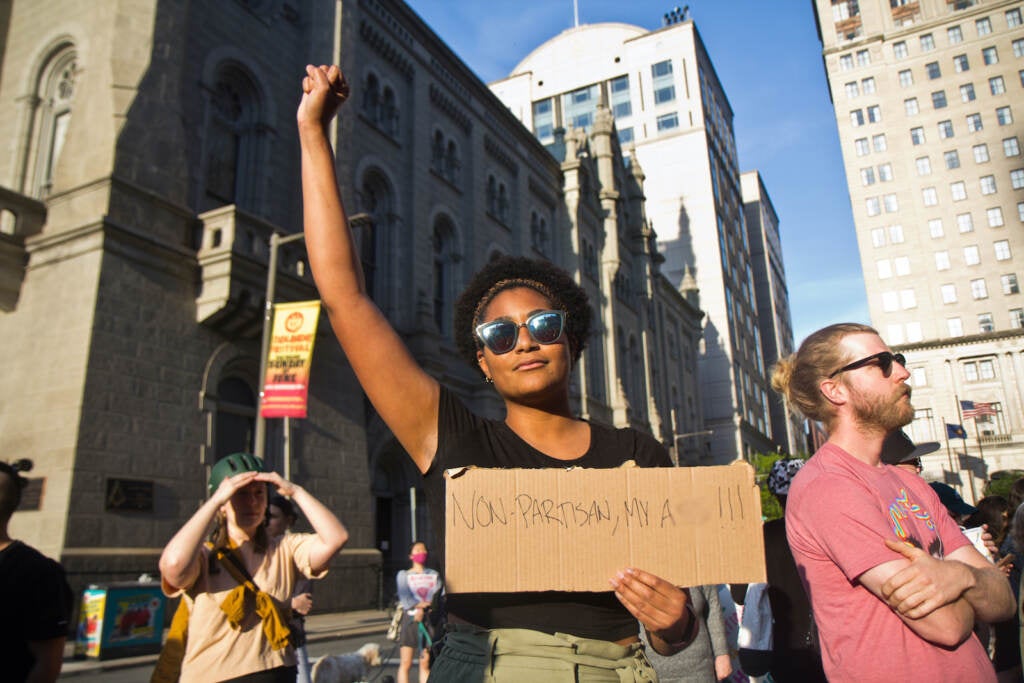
(238, 587)
(417, 587)
(886, 569)
(522, 325)
(958, 508)
(993, 512)
(35, 599)
(281, 517)
(707, 659)
(898, 450)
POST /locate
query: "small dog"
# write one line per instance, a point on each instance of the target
(350, 667)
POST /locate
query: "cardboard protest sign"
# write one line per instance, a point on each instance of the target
(511, 530)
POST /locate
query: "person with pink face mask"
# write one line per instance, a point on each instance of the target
(417, 587)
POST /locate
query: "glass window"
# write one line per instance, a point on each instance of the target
(978, 288)
(933, 70)
(890, 203)
(845, 62)
(939, 99)
(924, 165)
(989, 55)
(896, 234)
(935, 228)
(879, 143)
(952, 159)
(899, 50)
(948, 293)
(964, 222)
(988, 184)
(579, 106)
(1018, 47)
(980, 153)
(995, 216)
(885, 172)
(945, 129)
(955, 35)
(863, 58)
(972, 256)
(622, 108)
(1017, 318)
(901, 264)
(974, 123)
(1020, 211)
(1011, 147)
(917, 135)
(984, 26)
(1004, 116)
(919, 378)
(961, 63)
(872, 206)
(884, 267)
(668, 121)
(1009, 283)
(874, 114)
(1013, 18)
(857, 117)
(908, 299)
(544, 120)
(910, 106)
(878, 237)
(664, 83)
(852, 90)
(625, 135)
(890, 302)
(985, 324)
(1017, 178)
(967, 92)
(1002, 249)
(971, 372)
(958, 191)
(906, 78)
(996, 85)
(867, 176)
(986, 368)
(862, 146)
(955, 327)
(942, 260)
(929, 196)
(927, 42)
(867, 85)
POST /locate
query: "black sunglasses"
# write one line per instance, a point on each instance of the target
(500, 336)
(885, 360)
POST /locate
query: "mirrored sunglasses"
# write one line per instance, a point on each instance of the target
(884, 360)
(500, 336)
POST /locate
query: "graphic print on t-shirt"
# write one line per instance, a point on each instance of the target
(906, 517)
(422, 585)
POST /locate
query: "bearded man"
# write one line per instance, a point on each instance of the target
(894, 585)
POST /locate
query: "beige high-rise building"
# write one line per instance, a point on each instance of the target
(929, 101)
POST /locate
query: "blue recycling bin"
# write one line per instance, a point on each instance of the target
(120, 620)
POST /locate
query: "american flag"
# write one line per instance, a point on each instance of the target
(972, 409)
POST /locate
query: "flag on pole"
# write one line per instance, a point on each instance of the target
(955, 431)
(972, 409)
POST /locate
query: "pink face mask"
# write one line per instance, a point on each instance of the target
(419, 558)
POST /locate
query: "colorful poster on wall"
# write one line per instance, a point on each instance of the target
(289, 356)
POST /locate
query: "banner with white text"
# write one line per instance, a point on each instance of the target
(286, 384)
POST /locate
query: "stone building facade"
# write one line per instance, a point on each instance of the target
(150, 153)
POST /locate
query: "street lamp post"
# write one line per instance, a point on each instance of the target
(702, 432)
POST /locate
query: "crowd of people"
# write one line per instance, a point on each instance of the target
(870, 574)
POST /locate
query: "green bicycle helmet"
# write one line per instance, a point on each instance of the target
(233, 464)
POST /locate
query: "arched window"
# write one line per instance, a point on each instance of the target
(55, 91)
(444, 267)
(437, 152)
(502, 203)
(492, 196)
(452, 163)
(636, 373)
(376, 200)
(596, 385)
(232, 167)
(371, 97)
(235, 420)
(389, 113)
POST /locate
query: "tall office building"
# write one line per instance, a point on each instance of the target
(669, 105)
(929, 101)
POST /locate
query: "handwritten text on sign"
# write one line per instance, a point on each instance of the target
(528, 530)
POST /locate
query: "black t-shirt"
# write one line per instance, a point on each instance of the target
(35, 604)
(464, 438)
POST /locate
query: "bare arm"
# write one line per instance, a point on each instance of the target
(331, 534)
(49, 657)
(661, 608)
(988, 591)
(405, 396)
(950, 621)
(179, 562)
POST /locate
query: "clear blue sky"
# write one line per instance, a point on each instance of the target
(768, 57)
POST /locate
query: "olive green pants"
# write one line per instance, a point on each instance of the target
(516, 655)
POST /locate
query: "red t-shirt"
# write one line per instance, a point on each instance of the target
(838, 514)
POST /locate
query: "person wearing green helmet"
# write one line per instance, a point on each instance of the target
(238, 585)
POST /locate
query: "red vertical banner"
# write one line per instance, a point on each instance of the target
(289, 356)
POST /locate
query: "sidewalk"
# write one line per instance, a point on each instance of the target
(319, 627)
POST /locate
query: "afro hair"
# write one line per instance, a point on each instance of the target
(509, 272)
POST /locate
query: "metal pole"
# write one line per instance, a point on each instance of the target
(259, 440)
(287, 449)
(412, 513)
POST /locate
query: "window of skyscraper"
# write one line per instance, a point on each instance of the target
(955, 35)
(995, 217)
(1017, 318)
(945, 129)
(988, 184)
(942, 260)
(878, 142)
(955, 327)
(979, 290)
(989, 55)
(1004, 116)
(906, 78)
(667, 122)
(929, 196)
(964, 222)
(980, 153)
(958, 191)
(933, 70)
(901, 264)
(939, 99)
(867, 176)
(544, 120)
(1018, 47)
(890, 203)
(872, 206)
(874, 114)
(952, 159)
(984, 26)
(967, 92)
(961, 64)
(845, 62)
(1011, 147)
(917, 135)
(878, 237)
(1009, 283)
(896, 234)
(899, 50)
(1017, 178)
(948, 293)
(885, 172)
(927, 42)
(996, 85)
(924, 165)
(625, 135)
(908, 299)
(857, 117)
(867, 85)
(910, 106)
(884, 267)
(863, 58)
(664, 85)
(862, 146)
(579, 107)
(935, 228)
(1013, 18)
(619, 94)
(985, 324)
(974, 123)
(972, 256)
(852, 90)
